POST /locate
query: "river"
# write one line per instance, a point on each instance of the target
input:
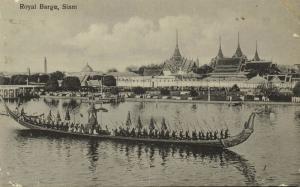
(269, 157)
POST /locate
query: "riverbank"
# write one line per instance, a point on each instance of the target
(100, 100)
(172, 100)
(208, 102)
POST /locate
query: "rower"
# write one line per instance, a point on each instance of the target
(221, 134)
(215, 135)
(181, 134)
(81, 128)
(226, 133)
(174, 134)
(72, 127)
(76, 127)
(116, 133)
(145, 133)
(210, 135)
(167, 134)
(187, 135)
(22, 112)
(194, 135)
(156, 133)
(151, 133)
(200, 135)
(207, 135)
(66, 127)
(132, 133)
(162, 134)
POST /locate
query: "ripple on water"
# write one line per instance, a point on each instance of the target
(54, 161)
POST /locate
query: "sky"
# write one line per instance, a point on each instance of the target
(120, 33)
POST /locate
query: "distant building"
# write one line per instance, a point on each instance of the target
(86, 72)
(177, 72)
(228, 67)
(45, 65)
(178, 65)
(237, 66)
(257, 63)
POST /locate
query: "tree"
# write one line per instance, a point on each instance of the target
(71, 84)
(58, 75)
(52, 85)
(114, 90)
(138, 90)
(44, 78)
(141, 70)
(112, 70)
(133, 69)
(34, 77)
(296, 89)
(165, 91)
(194, 93)
(108, 80)
(19, 79)
(204, 69)
(235, 88)
(4, 80)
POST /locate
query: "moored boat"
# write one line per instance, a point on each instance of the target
(218, 143)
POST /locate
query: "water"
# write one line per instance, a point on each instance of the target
(269, 157)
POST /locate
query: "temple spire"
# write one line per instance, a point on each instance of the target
(256, 57)
(220, 53)
(239, 39)
(176, 38)
(176, 55)
(238, 52)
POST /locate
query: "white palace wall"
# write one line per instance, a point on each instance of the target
(160, 81)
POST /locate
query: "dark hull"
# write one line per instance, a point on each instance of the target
(215, 144)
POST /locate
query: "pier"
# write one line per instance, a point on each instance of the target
(15, 91)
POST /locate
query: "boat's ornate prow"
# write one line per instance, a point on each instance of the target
(242, 136)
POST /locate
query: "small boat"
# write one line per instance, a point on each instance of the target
(235, 104)
(207, 144)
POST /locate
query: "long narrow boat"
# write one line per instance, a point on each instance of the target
(214, 144)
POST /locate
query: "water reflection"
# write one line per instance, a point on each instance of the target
(51, 103)
(71, 104)
(155, 154)
(93, 154)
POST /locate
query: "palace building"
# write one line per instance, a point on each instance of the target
(238, 66)
(257, 63)
(229, 67)
(176, 65)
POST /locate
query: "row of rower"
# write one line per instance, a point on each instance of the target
(131, 132)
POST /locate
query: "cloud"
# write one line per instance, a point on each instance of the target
(128, 34)
(139, 40)
(295, 35)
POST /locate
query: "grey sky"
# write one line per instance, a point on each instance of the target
(119, 33)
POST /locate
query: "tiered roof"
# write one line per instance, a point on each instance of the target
(238, 53)
(178, 63)
(227, 65)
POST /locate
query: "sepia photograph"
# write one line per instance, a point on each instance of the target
(149, 93)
